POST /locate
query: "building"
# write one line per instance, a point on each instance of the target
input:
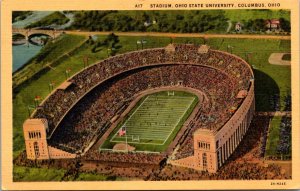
(238, 27)
(35, 135)
(273, 24)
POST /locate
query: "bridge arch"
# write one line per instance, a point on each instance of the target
(29, 32)
(37, 42)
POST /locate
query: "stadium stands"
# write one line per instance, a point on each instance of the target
(83, 110)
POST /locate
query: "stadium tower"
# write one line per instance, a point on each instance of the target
(35, 135)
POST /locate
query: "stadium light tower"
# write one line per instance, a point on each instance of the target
(137, 44)
(67, 73)
(36, 100)
(229, 47)
(143, 42)
(247, 56)
(51, 86)
(29, 107)
(108, 51)
(85, 61)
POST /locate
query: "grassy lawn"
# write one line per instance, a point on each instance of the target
(273, 138)
(279, 137)
(154, 121)
(25, 174)
(239, 15)
(50, 54)
(269, 79)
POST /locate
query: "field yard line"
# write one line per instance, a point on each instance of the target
(129, 119)
(186, 109)
(179, 119)
(140, 143)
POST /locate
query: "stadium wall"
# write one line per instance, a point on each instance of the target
(213, 148)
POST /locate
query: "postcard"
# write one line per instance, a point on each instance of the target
(147, 94)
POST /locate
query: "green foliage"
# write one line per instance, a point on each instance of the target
(273, 137)
(30, 174)
(255, 20)
(256, 25)
(191, 21)
(110, 44)
(285, 24)
(24, 174)
(156, 21)
(56, 18)
(20, 15)
(236, 15)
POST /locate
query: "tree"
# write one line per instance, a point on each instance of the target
(259, 24)
(114, 39)
(285, 25)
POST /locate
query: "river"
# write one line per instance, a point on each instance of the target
(23, 53)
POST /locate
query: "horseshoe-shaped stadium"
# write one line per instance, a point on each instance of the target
(83, 113)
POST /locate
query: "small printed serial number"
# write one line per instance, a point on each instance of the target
(278, 183)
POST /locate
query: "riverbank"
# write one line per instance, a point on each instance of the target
(48, 56)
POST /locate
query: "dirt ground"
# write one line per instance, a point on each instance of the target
(161, 34)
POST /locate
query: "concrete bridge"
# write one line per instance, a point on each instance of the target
(29, 32)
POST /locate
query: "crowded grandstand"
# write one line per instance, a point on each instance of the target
(83, 109)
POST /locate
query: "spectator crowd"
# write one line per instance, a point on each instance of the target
(84, 109)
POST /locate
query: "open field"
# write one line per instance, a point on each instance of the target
(50, 56)
(33, 174)
(153, 123)
(240, 15)
(279, 138)
(25, 174)
(273, 138)
(269, 79)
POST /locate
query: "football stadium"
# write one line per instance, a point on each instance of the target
(184, 103)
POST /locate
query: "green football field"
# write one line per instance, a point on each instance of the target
(153, 123)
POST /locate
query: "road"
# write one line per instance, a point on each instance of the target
(160, 34)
